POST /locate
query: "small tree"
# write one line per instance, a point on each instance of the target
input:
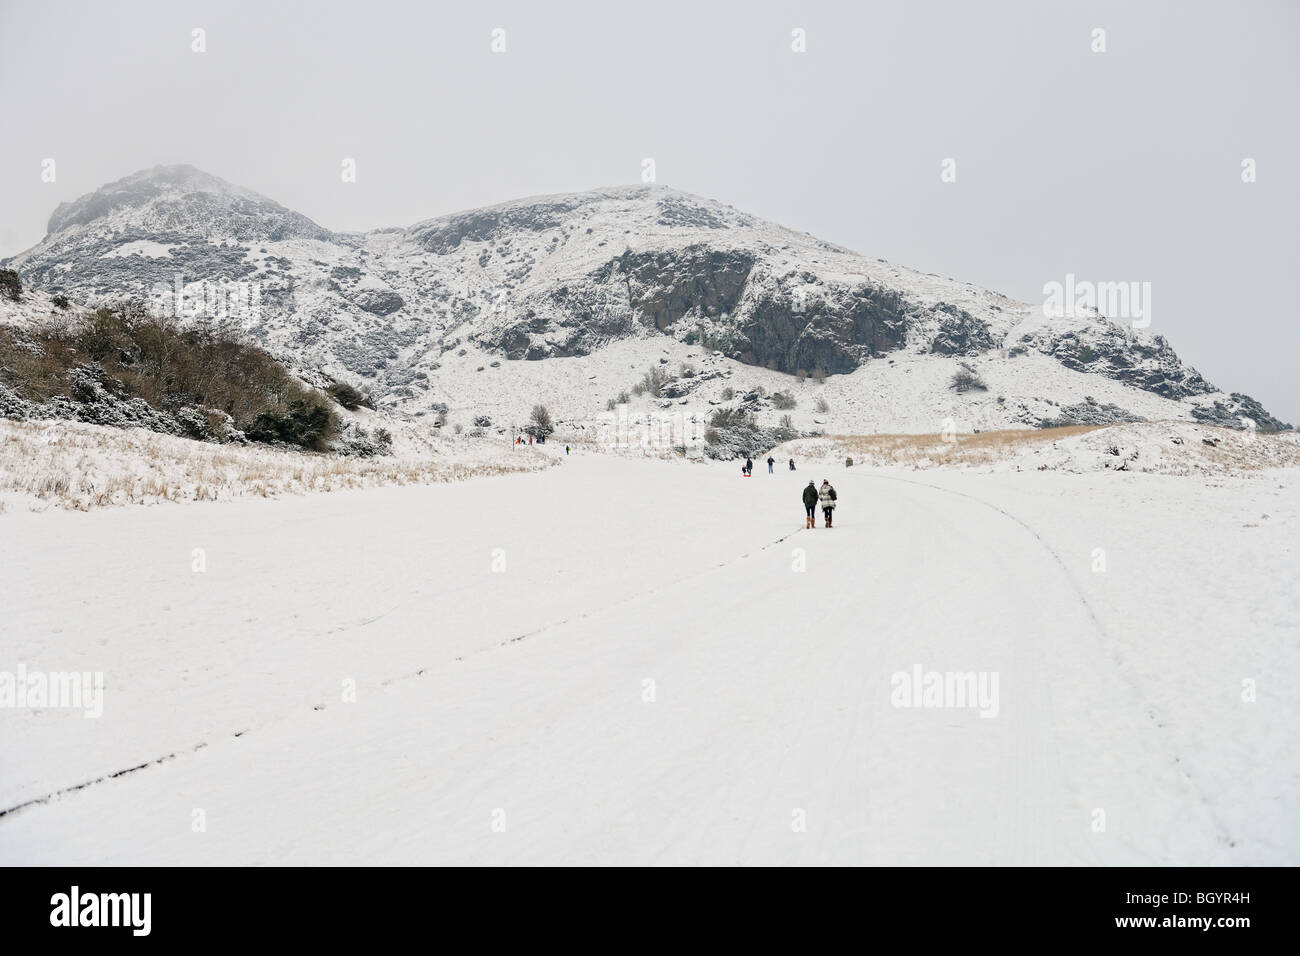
(349, 397)
(540, 424)
(782, 401)
(965, 381)
(822, 406)
(653, 382)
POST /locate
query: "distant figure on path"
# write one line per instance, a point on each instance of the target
(792, 464)
(770, 462)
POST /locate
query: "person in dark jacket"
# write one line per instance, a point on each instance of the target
(826, 497)
(770, 462)
(810, 504)
(792, 464)
(749, 466)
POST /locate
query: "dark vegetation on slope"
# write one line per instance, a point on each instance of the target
(735, 433)
(11, 287)
(122, 366)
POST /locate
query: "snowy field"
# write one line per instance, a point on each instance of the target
(621, 661)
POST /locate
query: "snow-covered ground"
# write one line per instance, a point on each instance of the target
(638, 661)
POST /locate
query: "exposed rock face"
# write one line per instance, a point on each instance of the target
(675, 211)
(1238, 412)
(1090, 412)
(704, 295)
(666, 287)
(1104, 348)
(960, 333)
(575, 319)
(443, 236)
(834, 335)
(377, 301)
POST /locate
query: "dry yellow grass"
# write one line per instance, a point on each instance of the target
(77, 466)
(1166, 447)
(977, 449)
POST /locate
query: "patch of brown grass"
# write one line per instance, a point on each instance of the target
(920, 450)
(77, 466)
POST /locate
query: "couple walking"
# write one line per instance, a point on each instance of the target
(812, 497)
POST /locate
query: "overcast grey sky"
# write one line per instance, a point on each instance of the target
(1115, 166)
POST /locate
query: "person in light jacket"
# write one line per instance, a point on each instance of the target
(826, 498)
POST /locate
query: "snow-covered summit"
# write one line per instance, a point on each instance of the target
(168, 199)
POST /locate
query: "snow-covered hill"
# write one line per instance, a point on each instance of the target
(568, 299)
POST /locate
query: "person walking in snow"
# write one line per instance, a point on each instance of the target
(810, 504)
(770, 462)
(566, 449)
(792, 464)
(826, 498)
(749, 466)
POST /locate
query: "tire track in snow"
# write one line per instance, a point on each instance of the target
(104, 778)
(676, 582)
(1083, 598)
(35, 801)
(1107, 643)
